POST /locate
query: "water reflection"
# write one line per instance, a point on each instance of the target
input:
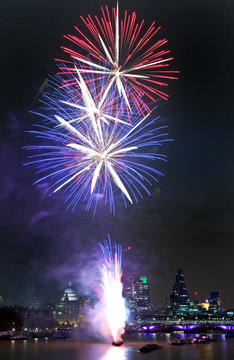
(223, 349)
(12, 345)
(116, 353)
(24, 346)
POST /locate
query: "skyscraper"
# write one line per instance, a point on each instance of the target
(129, 294)
(214, 302)
(179, 299)
(138, 297)
(142, 297)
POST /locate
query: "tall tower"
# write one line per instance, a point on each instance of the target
(130, 292)
(138, 298)
(179, 297)
(214, 302)
(142, 297)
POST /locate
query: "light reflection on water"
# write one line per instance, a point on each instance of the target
(74, 350)
(116, 353)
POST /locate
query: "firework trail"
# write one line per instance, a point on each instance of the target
(90, 153)
(114, 303)
(125, 54)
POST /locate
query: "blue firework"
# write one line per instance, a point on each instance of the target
(91, 147)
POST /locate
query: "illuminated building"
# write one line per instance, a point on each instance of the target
(142, 296)
(23, 318)
(138, 298)
(69, 293)
(129, 294)
(205, 305)
(85, 303)
(214, 302)
(230, 313)
(179, 300)
(67, 309)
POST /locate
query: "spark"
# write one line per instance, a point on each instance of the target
(92, 111)
(111, 273)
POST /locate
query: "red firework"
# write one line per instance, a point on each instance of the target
(131, 59)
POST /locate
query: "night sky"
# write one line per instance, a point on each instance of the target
(187, 223)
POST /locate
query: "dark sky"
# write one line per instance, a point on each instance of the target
(190, 223)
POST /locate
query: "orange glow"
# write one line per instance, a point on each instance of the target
(205, 305)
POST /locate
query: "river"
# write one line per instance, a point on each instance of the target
(68, 349)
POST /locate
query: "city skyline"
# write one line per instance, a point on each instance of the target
(188, 220)
(72, 312)
(175, 296)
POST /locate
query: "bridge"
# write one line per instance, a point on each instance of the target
(186, 325)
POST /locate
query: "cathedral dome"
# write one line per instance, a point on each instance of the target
(69, 293)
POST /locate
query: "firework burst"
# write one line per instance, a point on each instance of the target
(125, 54)
(98, 138)
(91, 154)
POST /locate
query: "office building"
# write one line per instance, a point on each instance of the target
(179, 299)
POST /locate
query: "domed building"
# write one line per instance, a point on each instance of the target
(69, 293)
(67, 309)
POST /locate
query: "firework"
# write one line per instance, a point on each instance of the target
(85, 96)
(114, 303)
(125, 54)
(90, 155)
